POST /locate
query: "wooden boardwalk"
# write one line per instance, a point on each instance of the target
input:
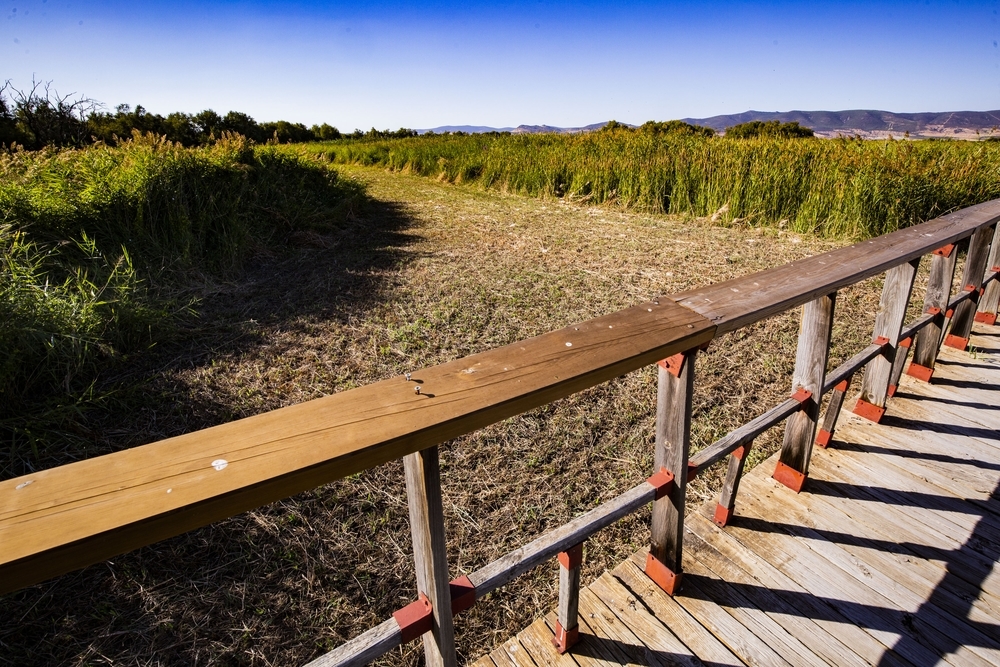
(888, 557)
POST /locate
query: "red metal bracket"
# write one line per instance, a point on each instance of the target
(663, 576)
(673, 365)
(970, 288)
(933, 311)
(945, 250)
(722, 515)
(891, 391)
(564, 639)
(823, 438)
(572, 557)
(693, 471)
(881, 340)
(789, 476)
(949, 313)
(920, 372)
(414, 619)
(869, 411)
(995, 269)
(981, 290)
(740, 452)
(842, 385)
(956, 342)
(463, 595)
(987, 318)
(663, 482)
(802, 395)
(906, 342)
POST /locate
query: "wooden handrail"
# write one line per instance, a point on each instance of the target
(64, 518)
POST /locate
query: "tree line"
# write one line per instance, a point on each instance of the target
(39, 116)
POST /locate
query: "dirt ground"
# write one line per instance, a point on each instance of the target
(428, 272)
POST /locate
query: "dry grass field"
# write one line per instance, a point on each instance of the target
(426, 272)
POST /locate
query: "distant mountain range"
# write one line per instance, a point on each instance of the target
(867, 123)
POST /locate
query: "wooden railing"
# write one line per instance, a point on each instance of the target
(57, 520)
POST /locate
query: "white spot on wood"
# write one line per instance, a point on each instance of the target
(169, 490)
(24, 484)
(220, 464)
(569, 344)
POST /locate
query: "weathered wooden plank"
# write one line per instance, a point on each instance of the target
(695, 636)
(534, 645)
(673, 444)
(56, 520)
(430, 553)
(665, 648)
(569, 596)
(605, 626)
(594, 650)
(888, 323)
(706, 584)
(972, 277)
(918, 545)
(827, 616)
(364, 648)
(811, 358)
(734, 304)
(741, 640)
(884, 576)
(803, 639)
(851, 366)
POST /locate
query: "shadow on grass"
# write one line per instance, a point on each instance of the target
(265, 585)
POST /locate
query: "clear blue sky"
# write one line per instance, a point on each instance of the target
(404, 64)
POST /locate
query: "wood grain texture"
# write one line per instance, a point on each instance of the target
(673, 445)
(569, 597)
(888, 324)
(972, 276)
(430, 552)
(56, 520)
(736, 303)
(991, 297)
(811, 358)
(364, 648)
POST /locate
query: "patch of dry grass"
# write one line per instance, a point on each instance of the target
(432, 272)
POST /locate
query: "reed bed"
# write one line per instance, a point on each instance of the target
(838, 188)
(102, 248)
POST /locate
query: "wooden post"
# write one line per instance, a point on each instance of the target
(972, 278)
(567, 624)
(810, 372)
(888, 324)
(928, 341)
(423, 493)
(727, 500)
(990, 301)
(825, 435)
(673, 436)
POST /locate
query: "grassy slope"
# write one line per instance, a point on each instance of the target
(442, 271)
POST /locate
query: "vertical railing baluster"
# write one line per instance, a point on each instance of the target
(928, 341)
(567, 623)
(990, 301)
(902, 352)
(673, 436)
(727, 499)
(972, 278)
(832, 413)
(810, 372)
(888, 323)
(423, 492)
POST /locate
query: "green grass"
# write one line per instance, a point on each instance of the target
(842, 188)
(101, 248)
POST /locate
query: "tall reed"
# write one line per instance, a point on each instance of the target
(840, 187)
